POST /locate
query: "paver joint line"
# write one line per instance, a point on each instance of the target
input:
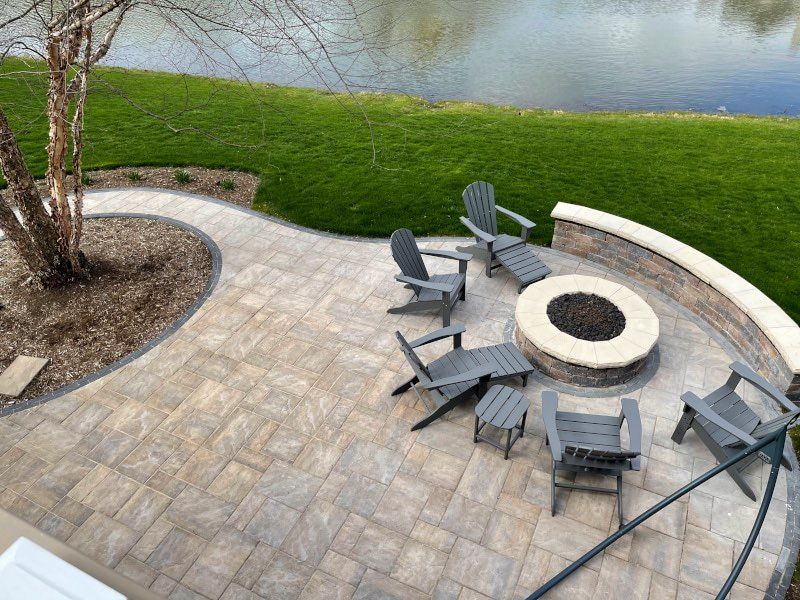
(255, 450)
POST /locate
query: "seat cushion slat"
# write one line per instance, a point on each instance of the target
(515, 357)
(515, 415)
(595, 428)
(506, 368)
(590, 440)
(584, 418)
(499, 405)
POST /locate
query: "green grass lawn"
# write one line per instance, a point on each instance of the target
(729, 187)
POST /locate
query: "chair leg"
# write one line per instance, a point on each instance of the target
(475, 435)
(522, 428)
(785, 461)
(619, 499)
(438, 413)
(721, 457)
(683, 426)
(401, 310)
(524, 381)
(446, 315)
(553, 491)
(737, 476)
(406, 386)
(508, 442)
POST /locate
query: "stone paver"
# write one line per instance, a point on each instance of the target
(257, 452)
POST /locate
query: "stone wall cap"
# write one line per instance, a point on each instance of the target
(779, 328)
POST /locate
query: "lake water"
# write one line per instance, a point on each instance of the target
(743, 55)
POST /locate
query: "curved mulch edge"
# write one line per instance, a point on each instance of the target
(784, 569)
(211, 283)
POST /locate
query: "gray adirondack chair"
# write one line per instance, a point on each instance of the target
(459, 373)
(510, 251)
(725, 423)
(431, 292)
(591, 443)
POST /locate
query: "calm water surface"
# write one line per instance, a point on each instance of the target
(743, 55)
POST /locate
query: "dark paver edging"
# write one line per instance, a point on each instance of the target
(211, 283)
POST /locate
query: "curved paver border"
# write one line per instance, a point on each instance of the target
(211, 283)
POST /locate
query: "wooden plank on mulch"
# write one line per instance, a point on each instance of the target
(20, 373)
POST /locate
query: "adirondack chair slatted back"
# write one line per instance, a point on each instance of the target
(764, 429)
(420, 370)
(731, 407)
(406, 254)
(479, 202)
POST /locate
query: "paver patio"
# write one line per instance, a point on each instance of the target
(257, 453)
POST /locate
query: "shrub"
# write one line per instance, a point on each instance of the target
(182, 176)
(135, 176)
(87, 179)
(228, 184)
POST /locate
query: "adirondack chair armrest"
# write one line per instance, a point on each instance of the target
(480, 372)
(549, 409)
(486, 237)
(439, 334)
(630, 414)
(762, 384)
(431, 285)
(526, 223)
(459, 256)
(693, 401)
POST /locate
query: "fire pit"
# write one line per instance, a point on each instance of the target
(584, 330)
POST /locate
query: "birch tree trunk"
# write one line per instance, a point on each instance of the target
(50, 243)
(34, 234)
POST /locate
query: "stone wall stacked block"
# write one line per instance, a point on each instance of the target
(676, 282)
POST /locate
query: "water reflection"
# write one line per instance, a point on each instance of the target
(572, 54)
(761, 18)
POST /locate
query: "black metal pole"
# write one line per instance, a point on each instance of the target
(656, 508)
(776, 455)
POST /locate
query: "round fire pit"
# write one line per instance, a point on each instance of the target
(585, 331)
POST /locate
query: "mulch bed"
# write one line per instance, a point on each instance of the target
(586, 316)
(144, 275)
(202, 181)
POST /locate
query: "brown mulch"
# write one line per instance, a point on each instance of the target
(202, 181)
(793, 593)
(145, 274)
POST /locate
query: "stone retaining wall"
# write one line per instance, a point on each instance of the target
(621, 245)
(576, 374)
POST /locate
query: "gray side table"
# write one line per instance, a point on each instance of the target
(505, 408)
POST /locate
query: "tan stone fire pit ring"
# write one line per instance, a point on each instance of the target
(582, 362)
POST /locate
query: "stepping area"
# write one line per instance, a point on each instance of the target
(257, 452)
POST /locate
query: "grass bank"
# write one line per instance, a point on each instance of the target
(728, 186)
